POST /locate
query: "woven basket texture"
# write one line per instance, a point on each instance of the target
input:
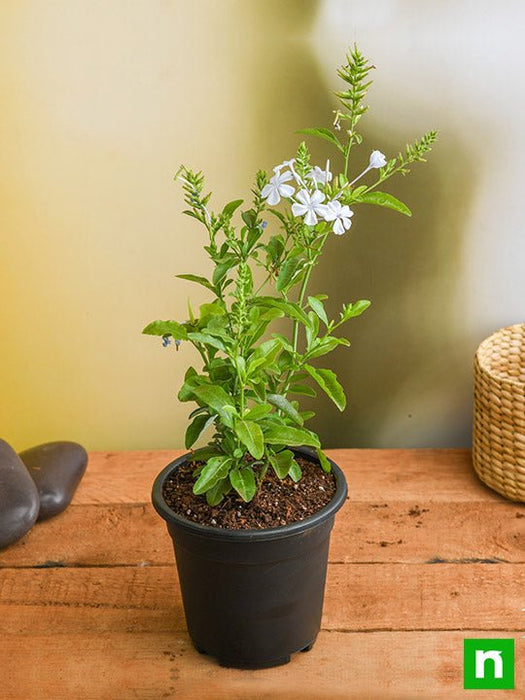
(498, 450)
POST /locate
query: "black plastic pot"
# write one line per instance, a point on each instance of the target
(252, 597)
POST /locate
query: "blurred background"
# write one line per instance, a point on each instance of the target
(102, 101)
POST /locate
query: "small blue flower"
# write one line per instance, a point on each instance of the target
(166, 340)
(177, 344)
(264, 224)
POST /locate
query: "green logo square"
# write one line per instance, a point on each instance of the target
(488, 663)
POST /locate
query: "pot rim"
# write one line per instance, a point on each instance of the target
(273, 533)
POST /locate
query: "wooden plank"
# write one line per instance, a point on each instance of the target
(364, 532)
(403, 475)
(359, 597)
(341, 666)
(122, 477)
(426, 531)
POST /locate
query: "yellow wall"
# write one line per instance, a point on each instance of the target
(102, 100)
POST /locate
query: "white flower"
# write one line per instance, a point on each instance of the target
(339, 214)
(320, 177)
(309, 205)
(284, 164)
(275, 189)
(377, 160)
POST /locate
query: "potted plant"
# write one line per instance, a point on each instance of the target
(250, 513)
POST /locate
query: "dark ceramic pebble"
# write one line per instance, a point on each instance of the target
(19, 501)
(56, 468)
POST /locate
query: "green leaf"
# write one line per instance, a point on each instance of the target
(263, 355)
(327, 380)
(262, 409)
(303, 390)
(253, 236)
(199, 280)
(295, 471)
(294, 437)
(223, 268)
(259, 389)
(231, 207)
(189, 386)
(353, 310)
(289, 308)
(251, 436)
(318, 308)
(323, 347)
(323, 133)
(243, 481)
(215, 495)
(207, 311)
(207, 340)
(214, 470)
(281, 463)
(249, 217)
(219, 328)
(285, 406)
(218, 400)
(203, 454)
(325, 464)
(196, 428)
(197, 411)
(240, 366)
(173, 328)
(188, 212)
(287, 273)
(275, 247)
(383, 199)
(270, 314)
(306, 415)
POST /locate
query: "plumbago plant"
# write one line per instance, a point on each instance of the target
(249, 385)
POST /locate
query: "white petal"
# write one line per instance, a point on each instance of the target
(333, 209)
(274, 197)
(286, 190)
(299, 209)
(346, 211)
(346, 222)
(303, 196)
(323, 210)
(266, 190)
(317, 197)
(284, 177)
(338, 229)
(310, 219)
(335, 206)
(316, 174)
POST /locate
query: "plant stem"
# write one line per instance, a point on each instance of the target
(302, 292)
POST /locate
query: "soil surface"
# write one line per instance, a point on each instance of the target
(277, 503)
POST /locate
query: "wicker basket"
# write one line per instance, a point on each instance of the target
(498, 451)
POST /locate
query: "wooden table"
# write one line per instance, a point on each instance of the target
(422, 556)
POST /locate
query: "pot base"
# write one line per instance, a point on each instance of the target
(268, 663)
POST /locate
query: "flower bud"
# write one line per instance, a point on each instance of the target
(377, 160)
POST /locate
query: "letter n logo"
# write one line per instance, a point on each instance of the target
(488, 663)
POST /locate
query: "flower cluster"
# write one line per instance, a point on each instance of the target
(309, 201)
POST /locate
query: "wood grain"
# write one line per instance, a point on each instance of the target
(148, 666)
(359, 597)
(416, 532)
(373, 475)
(422, 556)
